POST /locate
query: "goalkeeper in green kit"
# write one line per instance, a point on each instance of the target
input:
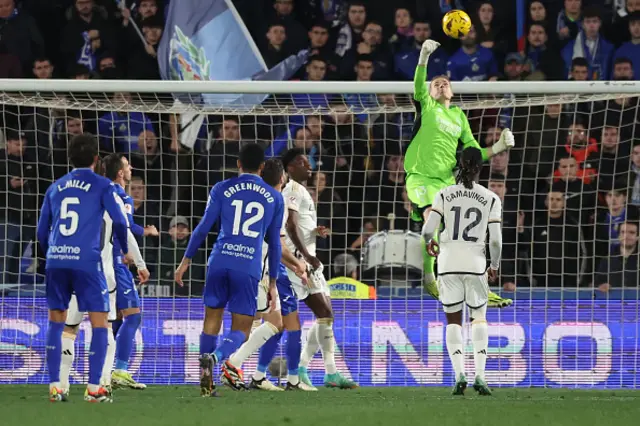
(431, 156)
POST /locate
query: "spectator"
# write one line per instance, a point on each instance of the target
(537, 12)
(514, 247)
(631, 49)
(119, 131)
(350, 34)
(608, 222)
(303, 139)
(330, 12)
(19, 181)
(371, 45)
(332, 213)
(513, 68)
(143, 61)
(569, 21)
(579, 145)
(619, 27)
(579, 69)
(559, 254)
(42, 68)
(316, 70)
(106, 61)
(145, 212)
(487, 31)
(345, 265)
(174, 244)
(623, 69)
(634, 177)
(79, 72)
(590, 45)
(406, 59)
(611, 161)
(20, 34)
(154, 166)
(580, 195)
(541, 127)
(319, 45)
(87, 34)
(541, 57)
(472, 62)
(622, 268)
(404, 29)
(274, 50)
(390, 129)
(385, 195)
(284, 14)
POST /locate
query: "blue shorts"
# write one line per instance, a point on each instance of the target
(235, 290)
(127, 294)
(288, 299)
(90, 288)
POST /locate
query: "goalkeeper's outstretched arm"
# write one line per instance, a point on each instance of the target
(420, 89)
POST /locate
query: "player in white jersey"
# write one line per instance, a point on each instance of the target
(302, 231)
(75, 316)
(266, 336)
(468, 211)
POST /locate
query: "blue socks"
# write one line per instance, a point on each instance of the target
(231, 342)
(115, 326)
(208, 343)
(124, 340)
(97, 354)
(267, 352)
(293, 350)
(54, 350)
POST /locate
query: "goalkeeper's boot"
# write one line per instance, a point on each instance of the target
(232, 377)
(264, 384)
(207, 387)
(303, 374)
(480, 386)
(57, 394)
(460, 386)
(301, 386)
(495, 301)
(123, 379)
(337, 380)
(431, 288)
(101, 395)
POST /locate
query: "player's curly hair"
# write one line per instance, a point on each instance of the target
(291, 155)
(470, 165)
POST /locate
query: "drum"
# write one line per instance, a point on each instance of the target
(395, 255)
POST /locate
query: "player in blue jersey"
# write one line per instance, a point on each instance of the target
(118, 170)
(267, 335)
(246, 209)
(70, 233)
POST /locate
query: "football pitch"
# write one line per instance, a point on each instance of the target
(181, 405)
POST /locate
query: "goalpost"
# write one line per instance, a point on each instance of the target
(562, 330)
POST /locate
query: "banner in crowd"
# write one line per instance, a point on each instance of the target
(379, 343)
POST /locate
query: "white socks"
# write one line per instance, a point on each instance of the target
(455, 346)
(310, 347)
(480, 338)
(108, 361)
(68, 354)
(256, 339)
(327, 344)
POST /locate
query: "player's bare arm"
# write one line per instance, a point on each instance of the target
(429, 230)
(180, 271)
(151, 231)
(292, 231)
(290, 261)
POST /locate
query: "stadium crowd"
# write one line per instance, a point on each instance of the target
(570, 188)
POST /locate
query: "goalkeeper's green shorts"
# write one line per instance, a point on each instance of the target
(422, 190)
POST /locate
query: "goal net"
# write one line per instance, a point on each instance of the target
(570, 190)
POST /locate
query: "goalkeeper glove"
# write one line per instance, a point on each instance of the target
(505, 142)
(428, 47)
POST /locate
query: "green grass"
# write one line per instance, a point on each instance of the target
(180, 405)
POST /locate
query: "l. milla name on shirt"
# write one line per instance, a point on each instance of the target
(75, 183)
(467, 194)
(248, 186)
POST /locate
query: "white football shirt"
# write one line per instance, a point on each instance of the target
(299, 200)
(107, 241)
(265, 246)
(466, 214)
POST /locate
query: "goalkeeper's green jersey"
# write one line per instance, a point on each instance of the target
(432, 151)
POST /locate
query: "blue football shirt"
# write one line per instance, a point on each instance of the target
(247, 209)
(71, 220)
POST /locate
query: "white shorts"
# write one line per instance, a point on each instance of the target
(458, 289)
(263, 293)
(316, 284)
(75, 317)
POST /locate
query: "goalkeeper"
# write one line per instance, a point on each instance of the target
(431, 156)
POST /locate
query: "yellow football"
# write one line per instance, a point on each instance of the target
(456, 23)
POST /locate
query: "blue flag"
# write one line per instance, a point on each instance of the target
(207, 40)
